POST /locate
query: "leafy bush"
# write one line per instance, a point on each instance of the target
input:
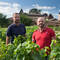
(4, 22)
(25, 20)
(23, 48)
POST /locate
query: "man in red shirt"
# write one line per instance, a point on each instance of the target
(43, 35)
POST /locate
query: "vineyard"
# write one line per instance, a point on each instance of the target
(23, 48)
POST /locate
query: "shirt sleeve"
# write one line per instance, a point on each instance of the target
(52, 33)
(33, 37)
(9, 32)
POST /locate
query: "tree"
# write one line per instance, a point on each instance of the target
(35, 11)
(50, 16)
(4, 22)
(25, 20)
(45, 14)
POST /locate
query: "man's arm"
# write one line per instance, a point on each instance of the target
(33, 37)
(8, 34)
(24, 30)
(54, 38)
(52, 34)
(7, 40)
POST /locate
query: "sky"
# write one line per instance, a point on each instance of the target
(8, 7)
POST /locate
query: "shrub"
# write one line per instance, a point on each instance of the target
(25, 20)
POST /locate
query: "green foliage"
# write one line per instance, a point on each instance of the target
(23, 48)
(35, 11)
(55, 53)
(4, 22)
(25, 20)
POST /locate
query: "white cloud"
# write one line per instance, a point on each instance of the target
(46, 12)
(9, 8)
(59, 10)
(27, 10)
(16, 5)
(43, 7)
(4, 3)
(55, 15)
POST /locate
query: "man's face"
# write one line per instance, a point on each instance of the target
(41, 22)
(16, 18)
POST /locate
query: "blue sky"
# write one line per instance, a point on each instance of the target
(8, 7)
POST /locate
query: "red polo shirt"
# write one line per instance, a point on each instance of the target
(43, 38)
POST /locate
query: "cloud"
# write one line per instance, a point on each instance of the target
(4, 3)
(43, 7)
(45, 12)
(9, 8)
(16, 5)
(27, 10)
(49, 12)
(55, 15)
(59, 10)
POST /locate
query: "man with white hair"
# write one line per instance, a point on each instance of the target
(43, 35)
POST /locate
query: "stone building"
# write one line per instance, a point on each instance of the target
(59, 16)
(51, 19)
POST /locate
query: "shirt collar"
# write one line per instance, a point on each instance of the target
(44, 29)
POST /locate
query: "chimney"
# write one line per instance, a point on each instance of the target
(59, 17)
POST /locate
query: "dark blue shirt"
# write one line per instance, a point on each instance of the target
(14, 30)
